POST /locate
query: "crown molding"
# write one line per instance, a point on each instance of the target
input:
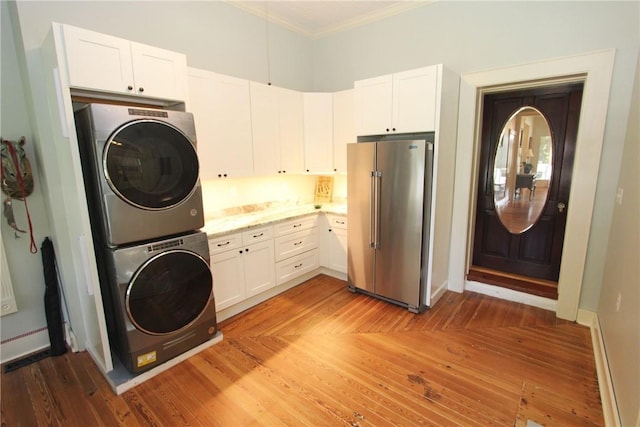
(259, 9)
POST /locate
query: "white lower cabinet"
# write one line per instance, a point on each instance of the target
(296, 248)
(242, 265)
(335, 244)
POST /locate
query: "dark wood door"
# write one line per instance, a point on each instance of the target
(536, 252)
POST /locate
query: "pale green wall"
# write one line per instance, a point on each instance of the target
(213, 35)
(478, 36)
(26, 268)
(621, 328)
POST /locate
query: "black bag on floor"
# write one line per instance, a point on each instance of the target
(52, 306)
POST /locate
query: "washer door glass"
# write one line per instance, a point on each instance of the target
(169, 292)
(150, 164)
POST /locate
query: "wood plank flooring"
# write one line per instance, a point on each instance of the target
(319, 355)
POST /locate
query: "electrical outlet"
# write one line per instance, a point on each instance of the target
(619, 194)
(618, 302)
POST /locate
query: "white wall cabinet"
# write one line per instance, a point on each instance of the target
(318, 133)
(397, 103)
(222, 112)
(100, 62)
(277, 129)
(344, 131)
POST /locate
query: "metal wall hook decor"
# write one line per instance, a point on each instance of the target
(17, 183)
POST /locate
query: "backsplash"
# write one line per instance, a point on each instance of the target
(233, 196)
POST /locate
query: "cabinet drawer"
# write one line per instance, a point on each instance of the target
(296, 243)
(257, 235)
(296, 266)
(291, 226)
(224, 243)
(337, 221)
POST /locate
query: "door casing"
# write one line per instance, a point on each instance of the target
(596, 70)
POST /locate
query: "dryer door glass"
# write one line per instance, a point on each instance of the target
(150, 164)
(169, 292)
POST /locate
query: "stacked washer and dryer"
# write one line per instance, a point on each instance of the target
(140, 168)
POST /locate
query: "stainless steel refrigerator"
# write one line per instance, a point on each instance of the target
(388, 211)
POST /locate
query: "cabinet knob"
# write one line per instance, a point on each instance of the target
(394, 129)
(140, 89)
(387, 129)
(329, 230)
(240, 251)
(219, 175)
(129, 87)
(284, 171)
(307, 170)
(246, 250)
(225, 175)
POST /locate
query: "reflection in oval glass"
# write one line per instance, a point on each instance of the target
(522, 169)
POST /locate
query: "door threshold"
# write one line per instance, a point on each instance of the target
(516, 282)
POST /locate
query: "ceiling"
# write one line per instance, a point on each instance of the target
(317, 19)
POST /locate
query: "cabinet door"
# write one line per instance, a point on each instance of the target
(222, 112)
(338, 250)
(159, 73)
(228, 280)
(259, 268)
(264, 128)
(373, 100)
(414, 100)
(291, 126)
(318, 132)
(98, 61)
(344, 131)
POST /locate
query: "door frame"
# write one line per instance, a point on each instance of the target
(595, 69)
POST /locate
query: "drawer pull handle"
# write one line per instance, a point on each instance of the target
(298, 243)
(224, 244)
(339, 222)
(297, 225)
(297, 266)
(255, 236)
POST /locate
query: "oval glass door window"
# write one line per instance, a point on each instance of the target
(522, 169)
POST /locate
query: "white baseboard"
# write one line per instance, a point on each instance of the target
(605, 382)
(511, 295)
(438, 292)
(24, 345)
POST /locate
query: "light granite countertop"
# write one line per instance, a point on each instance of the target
(222, 224)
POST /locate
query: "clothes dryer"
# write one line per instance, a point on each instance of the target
(159, 300)
(141, 172)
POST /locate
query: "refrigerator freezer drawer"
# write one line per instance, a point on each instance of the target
(296, 243)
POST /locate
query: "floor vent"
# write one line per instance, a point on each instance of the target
(27, 360)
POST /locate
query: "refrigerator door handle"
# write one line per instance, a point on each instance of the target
(372, 212)
(375, 209)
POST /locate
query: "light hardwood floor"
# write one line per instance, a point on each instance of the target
(319, 355)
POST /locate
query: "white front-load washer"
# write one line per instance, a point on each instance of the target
(159, 299)
(141, 172)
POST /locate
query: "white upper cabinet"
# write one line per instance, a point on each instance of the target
(397, 103)
(277, 126)
(222, 112)
(265, 129)
(344, 131)
(291, 123)
(318, 133)
(99, 62)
